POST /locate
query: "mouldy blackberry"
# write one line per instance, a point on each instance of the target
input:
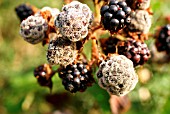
(136, 51)
(109, 44)
(33, 29)
(61, 51)
(23, 11)
(54, 11)
(76, 77)
(115, 15)
(74, 20)
(44, 73)
(138, 4)
(140, 21)
(163, 39)
(116, 74)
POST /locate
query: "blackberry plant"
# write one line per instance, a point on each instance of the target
(124, 23)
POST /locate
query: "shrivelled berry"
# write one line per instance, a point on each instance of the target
(33, 29)
(116, 74)
(44, 73)
(74, 21)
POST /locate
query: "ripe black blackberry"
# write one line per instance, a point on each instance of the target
(115, 15)
(23, 11)
(109, 44)
(163, 39)
(44, 73)
(136, 51)
(76, 77)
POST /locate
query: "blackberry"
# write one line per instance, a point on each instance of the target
(33, 29)
(23, 11)
(61, 51)
(140, 22)
(163, 39)
(109, 44)
(76, 77)
(116, 74)
(114, 15)
(44, 73)
(136, 51)
(74, 21)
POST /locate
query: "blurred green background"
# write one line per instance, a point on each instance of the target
(21, 94)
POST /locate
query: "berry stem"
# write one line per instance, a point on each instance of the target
(97, 6)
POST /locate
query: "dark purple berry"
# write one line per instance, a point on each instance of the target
(163, 39)
(115, 15)
(44, 73)
(76, 77)
(136, 51)
(23, 11)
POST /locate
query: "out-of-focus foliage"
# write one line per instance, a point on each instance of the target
(21, 94)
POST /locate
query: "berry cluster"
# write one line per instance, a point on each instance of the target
(76, 77)
(136, 51)
(67, 31)
(163, 39)
(115, 15)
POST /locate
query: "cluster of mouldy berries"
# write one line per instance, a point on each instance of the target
(67, 31)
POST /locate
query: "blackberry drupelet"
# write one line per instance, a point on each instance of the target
(163, 39)
(108, 45)
(136, 51)
(76, 77)
(23, 11)
(44, 73)
(116, 74)
(115, 15)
